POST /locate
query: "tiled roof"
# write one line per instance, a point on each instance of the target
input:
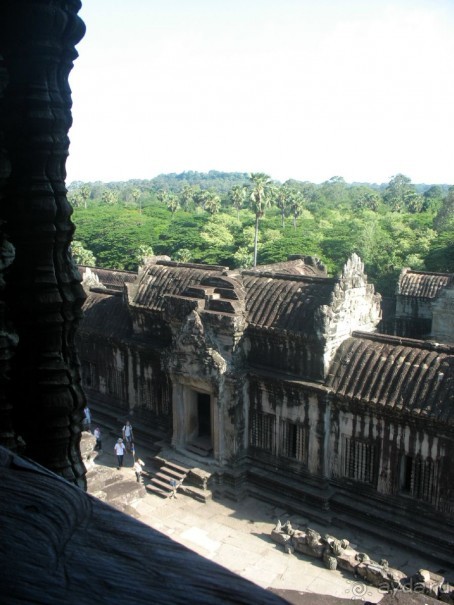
(106, 315)
(399, 374)
(285, 302)
(423, 284)
(273, 300)
(166, 278)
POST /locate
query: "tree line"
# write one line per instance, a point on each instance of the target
(253, 219)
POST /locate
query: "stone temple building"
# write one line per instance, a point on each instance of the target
(61, 545)
(263, 369)
(425, 305)
(278, 376)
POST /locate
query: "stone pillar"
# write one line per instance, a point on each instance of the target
(8, 337)
(43, 293)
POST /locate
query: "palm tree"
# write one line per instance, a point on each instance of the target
(297, 203)
(109, 196)
(172, 202)
(237, 195)
(212, 202)
(136, 196)
(282, 198)
(201, 198)
(163, 195)
(260, 199)
(85, 194)
(187, 196)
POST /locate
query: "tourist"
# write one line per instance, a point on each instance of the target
(120, 451)
(128, 435)
(97, 434)
(174, 484)
(87, 418)
(138, 468)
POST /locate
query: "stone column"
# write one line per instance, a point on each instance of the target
(8, 337)
(43, 293)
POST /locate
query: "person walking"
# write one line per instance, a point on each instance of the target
(174, 484)
(87, 419)
(138, 469)
(128, 435)
(120, 451)
(97, 434)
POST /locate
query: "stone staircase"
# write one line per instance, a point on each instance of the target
(187, 468)
(168, 479)
(201, 446)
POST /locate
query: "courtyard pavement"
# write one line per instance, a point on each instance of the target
(236, 535)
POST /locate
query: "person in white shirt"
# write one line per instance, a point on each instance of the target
(97, 434)
(138, 468)
(120, 451)
(128, 435)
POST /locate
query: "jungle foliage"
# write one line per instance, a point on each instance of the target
(231, 218)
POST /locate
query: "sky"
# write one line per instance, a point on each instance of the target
(301, 89)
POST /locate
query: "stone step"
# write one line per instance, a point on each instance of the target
(162, 475)
(170, 471)
(154, 489)
(173, 465)
(162, 484)
(193, 447)
(201, 495)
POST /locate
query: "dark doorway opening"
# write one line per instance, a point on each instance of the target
(204, 413)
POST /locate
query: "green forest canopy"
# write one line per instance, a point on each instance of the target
(216, 218)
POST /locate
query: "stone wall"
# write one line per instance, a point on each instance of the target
(286, 422)
(443, 317)
(404, 459)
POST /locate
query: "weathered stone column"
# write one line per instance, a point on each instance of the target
(43, 295)
(8, 337)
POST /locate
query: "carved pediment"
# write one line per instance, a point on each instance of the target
(192, 353)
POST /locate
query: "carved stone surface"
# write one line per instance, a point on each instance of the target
(43, 294)
(72, 548)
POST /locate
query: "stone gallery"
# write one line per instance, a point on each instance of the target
(59, 544)
(279, 376)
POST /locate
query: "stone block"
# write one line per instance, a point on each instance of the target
(347, 560)
(280, 538)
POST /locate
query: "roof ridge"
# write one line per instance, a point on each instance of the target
(291, 276)
(429, 345)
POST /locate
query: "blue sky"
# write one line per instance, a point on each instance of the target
(294, 88)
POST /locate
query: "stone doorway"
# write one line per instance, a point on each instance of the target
(204, 414)
(194, 422)
(201, 442)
